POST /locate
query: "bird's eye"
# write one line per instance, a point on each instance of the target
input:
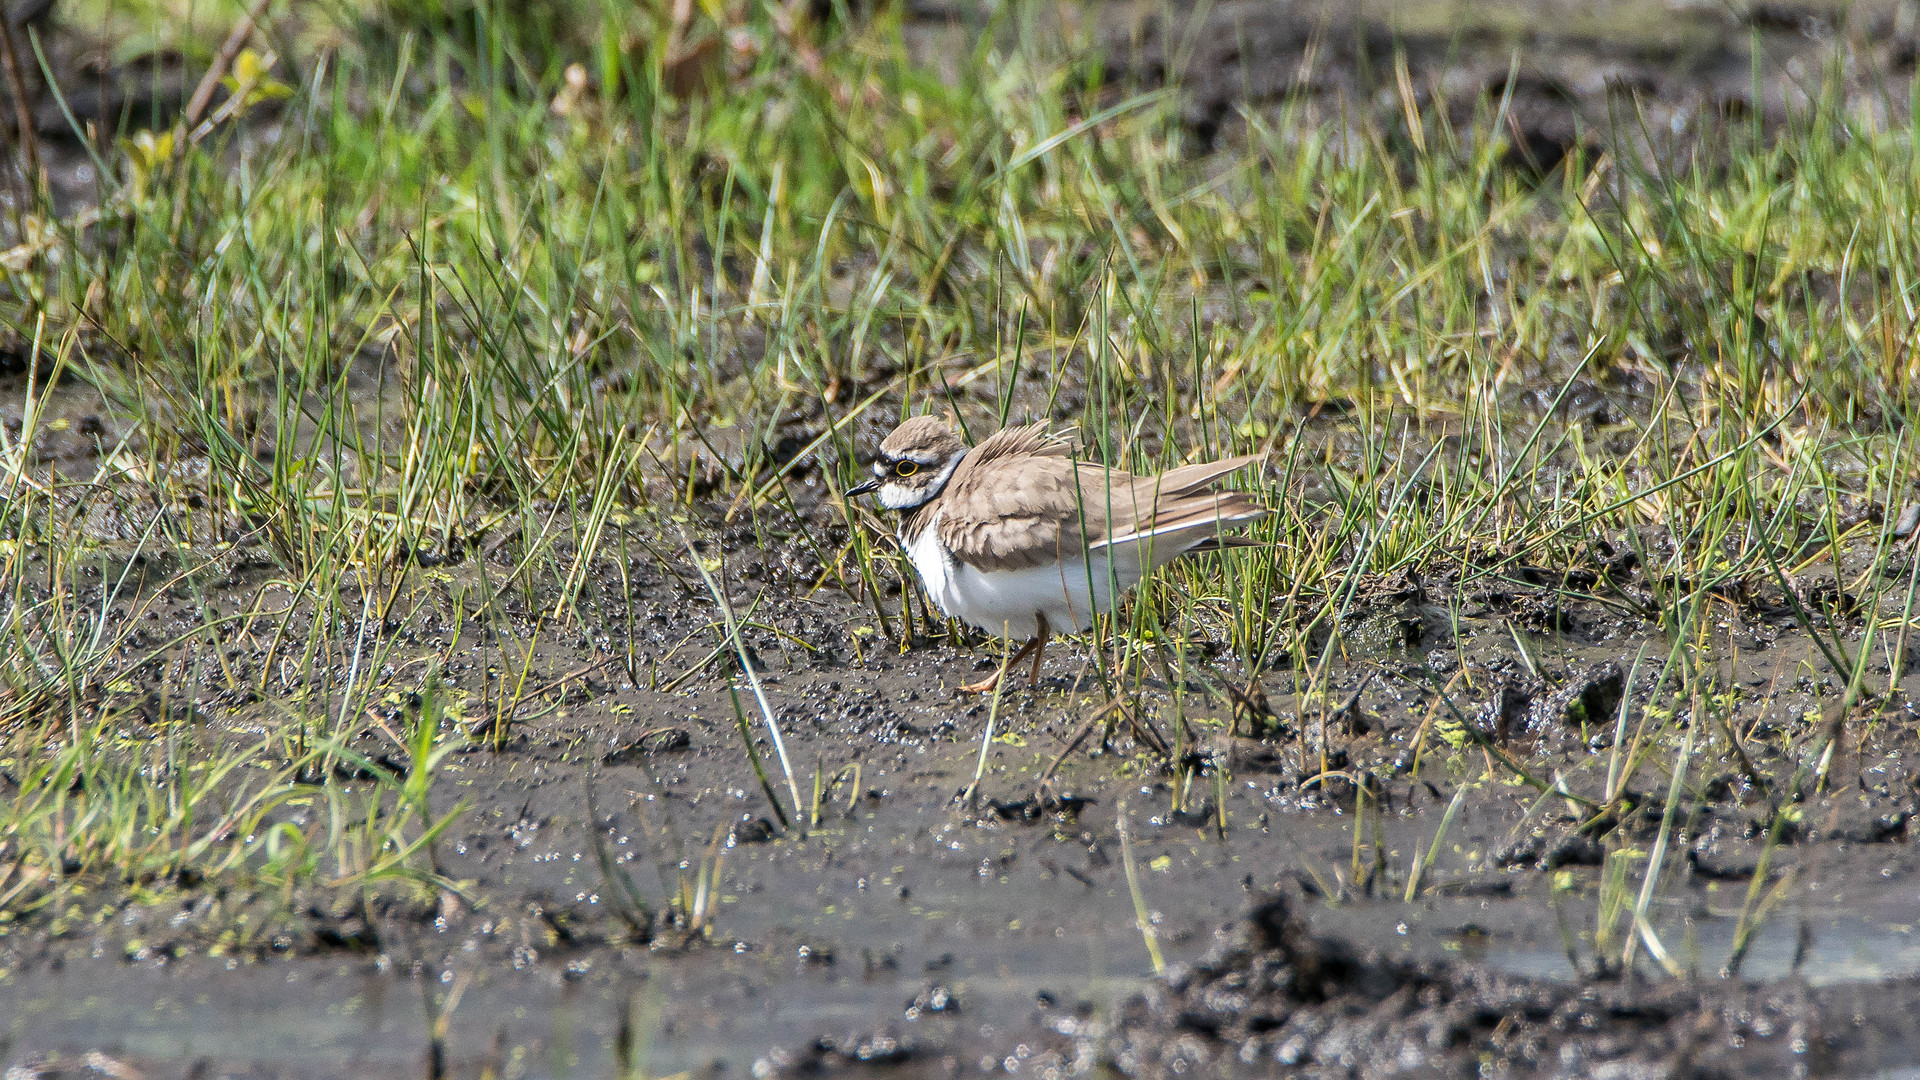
(906, 468)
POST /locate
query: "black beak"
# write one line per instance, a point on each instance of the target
(867, 488)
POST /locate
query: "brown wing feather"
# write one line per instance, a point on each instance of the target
(1020, 515)
(1207, 509)
(1012, 503)
(1183, 524)
(1031, 440)
(1187, 479)
(1019, 501)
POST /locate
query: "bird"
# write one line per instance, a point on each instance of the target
(1018, 538)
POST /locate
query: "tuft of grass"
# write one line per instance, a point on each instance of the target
(460, 303)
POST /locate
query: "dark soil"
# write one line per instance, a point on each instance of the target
(1272, 998)
(910, 926)
(913, 929)
(1660, 78)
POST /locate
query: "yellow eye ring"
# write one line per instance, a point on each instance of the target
(906, 468)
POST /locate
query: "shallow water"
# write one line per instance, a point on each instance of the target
(1842, 948)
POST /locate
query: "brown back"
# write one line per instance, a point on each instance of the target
(1018, 501)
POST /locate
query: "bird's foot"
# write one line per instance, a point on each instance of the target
(983, 686)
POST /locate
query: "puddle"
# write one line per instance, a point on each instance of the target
(710, 1009)
(1838, 949)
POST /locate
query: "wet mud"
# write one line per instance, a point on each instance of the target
(926, 922)
(1275, 998)
(1650, 78)
(931, 925)
(628, 892)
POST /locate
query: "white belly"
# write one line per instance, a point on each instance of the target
(1006, 602)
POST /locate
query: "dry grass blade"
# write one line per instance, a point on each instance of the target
(753, 679)
(1426, 861)
(1142, 918)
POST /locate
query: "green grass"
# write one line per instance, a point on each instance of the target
(452, 298)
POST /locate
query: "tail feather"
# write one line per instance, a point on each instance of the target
(1183, 524)
(1187, 479)
(1223, 543)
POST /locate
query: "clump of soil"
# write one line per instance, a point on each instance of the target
(1273, 996)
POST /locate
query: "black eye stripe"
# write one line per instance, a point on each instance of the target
(885, 465)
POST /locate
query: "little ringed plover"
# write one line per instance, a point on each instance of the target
(1017, 538)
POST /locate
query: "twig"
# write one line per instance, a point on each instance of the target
(1073, 744)
(234, 103)
(203, 94)
(478, 726)
(22, 116)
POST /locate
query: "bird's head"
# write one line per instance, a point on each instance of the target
(914, 463)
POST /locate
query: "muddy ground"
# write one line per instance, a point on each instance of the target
(916, 928)
(1656, 78)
